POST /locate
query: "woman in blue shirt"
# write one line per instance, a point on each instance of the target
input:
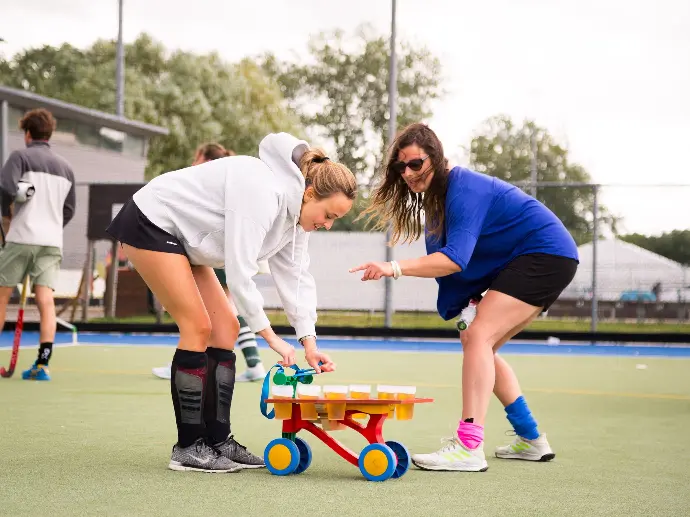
(482, 234)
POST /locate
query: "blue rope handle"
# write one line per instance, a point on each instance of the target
(267, 384)
(264, 394)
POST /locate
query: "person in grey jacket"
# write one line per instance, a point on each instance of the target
(38, 198)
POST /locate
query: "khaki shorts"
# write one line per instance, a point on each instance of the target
(41, 263)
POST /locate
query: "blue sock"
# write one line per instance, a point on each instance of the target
(520, 417)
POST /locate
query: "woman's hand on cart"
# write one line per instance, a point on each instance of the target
(319, 361)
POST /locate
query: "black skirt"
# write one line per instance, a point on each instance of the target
(131, 226)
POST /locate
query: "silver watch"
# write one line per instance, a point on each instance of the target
(301, 340)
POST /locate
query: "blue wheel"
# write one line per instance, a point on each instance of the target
(403, 457)
(281, 456)
(304, 455)
(377, 462)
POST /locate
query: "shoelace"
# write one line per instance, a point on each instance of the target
(238, 444)
(201, 445)
(449, 443)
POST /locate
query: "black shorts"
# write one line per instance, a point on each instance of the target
(132, 227)
(537, 278)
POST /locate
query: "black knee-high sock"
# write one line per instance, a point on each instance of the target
(187, 381)
(219, 387)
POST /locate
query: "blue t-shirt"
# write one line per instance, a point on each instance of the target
(488, 223)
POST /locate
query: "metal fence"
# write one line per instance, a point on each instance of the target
(616, 280)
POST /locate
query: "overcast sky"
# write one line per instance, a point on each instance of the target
(609, 78)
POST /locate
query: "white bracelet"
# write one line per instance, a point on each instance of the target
(397, 272)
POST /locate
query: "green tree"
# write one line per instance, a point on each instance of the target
(674, 245)
(502, 149)
(197, 97)
(341, 92)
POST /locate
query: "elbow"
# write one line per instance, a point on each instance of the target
(454, 268)
(448, 263)
(451, 269)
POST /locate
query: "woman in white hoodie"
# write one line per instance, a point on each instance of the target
(232, 212)
(246, 341)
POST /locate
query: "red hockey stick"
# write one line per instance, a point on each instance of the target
(17, 331)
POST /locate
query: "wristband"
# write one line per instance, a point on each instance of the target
(397, 271)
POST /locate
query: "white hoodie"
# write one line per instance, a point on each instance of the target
(237, 211)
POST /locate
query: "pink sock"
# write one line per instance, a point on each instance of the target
(470, 434)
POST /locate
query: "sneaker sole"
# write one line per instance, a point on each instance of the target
(446, 468)
(544, 458)
(247, 466)
(179, 467)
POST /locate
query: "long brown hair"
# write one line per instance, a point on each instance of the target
(392, 200)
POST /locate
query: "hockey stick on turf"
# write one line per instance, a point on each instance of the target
(17, 331)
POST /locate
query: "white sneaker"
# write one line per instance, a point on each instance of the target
(255, 373)
(163, 372)
(524, 449)
(453, 456)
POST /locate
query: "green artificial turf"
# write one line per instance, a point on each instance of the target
(96, 440)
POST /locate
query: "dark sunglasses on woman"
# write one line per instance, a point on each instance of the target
(415, 165)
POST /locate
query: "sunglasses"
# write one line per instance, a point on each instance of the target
(415, 165)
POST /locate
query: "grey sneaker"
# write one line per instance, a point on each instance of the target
(239, 454)
(200, 457)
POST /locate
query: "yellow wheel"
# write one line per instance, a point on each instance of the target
(377, 462)
(281, 456)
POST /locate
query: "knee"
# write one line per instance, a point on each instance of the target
(475, 339)
(196, 333)
(44, 297)
(226, 336)
(234, 329)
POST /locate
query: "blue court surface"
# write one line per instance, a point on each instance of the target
(30, 339)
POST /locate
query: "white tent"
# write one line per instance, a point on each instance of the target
(622, 266)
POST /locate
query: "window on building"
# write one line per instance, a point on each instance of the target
(65, 132)
(134, 146)
(88, 135)
(112, 139)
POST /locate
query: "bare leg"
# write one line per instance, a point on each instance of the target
(220, 382)
(170, 278)
(224, 325)
(507, 388)
(499, 317)
(529, 444)
(46, 308)
(5, 295)
(497, 314)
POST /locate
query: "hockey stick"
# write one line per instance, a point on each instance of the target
(17, 332)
